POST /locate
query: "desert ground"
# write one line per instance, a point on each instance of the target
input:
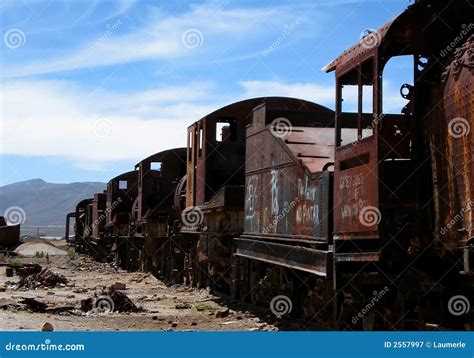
(159, 307)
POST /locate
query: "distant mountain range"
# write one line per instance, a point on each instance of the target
(43, 205)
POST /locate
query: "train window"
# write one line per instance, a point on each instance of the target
(349, 98)
(188, 152)
(123, 184)
(200, 143)
(355, 97)
(226, 129)
(155, 166)
(222, 131)
(367, 107)
(397, 72)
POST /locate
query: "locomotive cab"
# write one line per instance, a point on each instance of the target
(392, 180)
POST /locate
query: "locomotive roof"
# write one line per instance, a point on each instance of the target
(426, 27)
(157, 157)
(246, 106)
(359, 50)
(125, 175)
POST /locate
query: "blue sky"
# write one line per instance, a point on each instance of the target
(81, 81)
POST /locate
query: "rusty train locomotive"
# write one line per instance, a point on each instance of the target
(336, 211)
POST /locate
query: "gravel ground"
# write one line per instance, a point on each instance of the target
(164, 308)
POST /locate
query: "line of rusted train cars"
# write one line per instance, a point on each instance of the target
(336, 211)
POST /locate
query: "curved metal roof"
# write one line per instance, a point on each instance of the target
(158, 157)
(248, 105)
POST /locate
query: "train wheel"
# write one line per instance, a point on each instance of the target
(199, 276)
(244, 288)
(234, 279)
(254, 282)
(191, 279)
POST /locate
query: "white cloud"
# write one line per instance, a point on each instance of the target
(53, 118)
(57, 118)
(160, 38)
(325, 94)
(309, 91)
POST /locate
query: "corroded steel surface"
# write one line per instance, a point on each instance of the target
(9, 234)
(456, 150)
(286, 194)
(156, 186)
(223, 162)
(98, 215)
(121, 194)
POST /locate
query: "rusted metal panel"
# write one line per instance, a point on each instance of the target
(360, 52)
(80, 216)
(356, 186)
(121, 194)
(9, 234)
(314, 261)
(456, 196)
(213, 162)
(287, 191)
(98, 215)
(156, 187)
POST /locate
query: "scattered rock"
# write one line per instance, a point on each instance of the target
(222, 314)
(59, 309)
(34, 305)
(118, 286)
(29, 269)
(182, 306)
(154, 318)
(111, 300)
(45, 278)
(6, 304)
(47, 327)
(50, 293)
(229, 322)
